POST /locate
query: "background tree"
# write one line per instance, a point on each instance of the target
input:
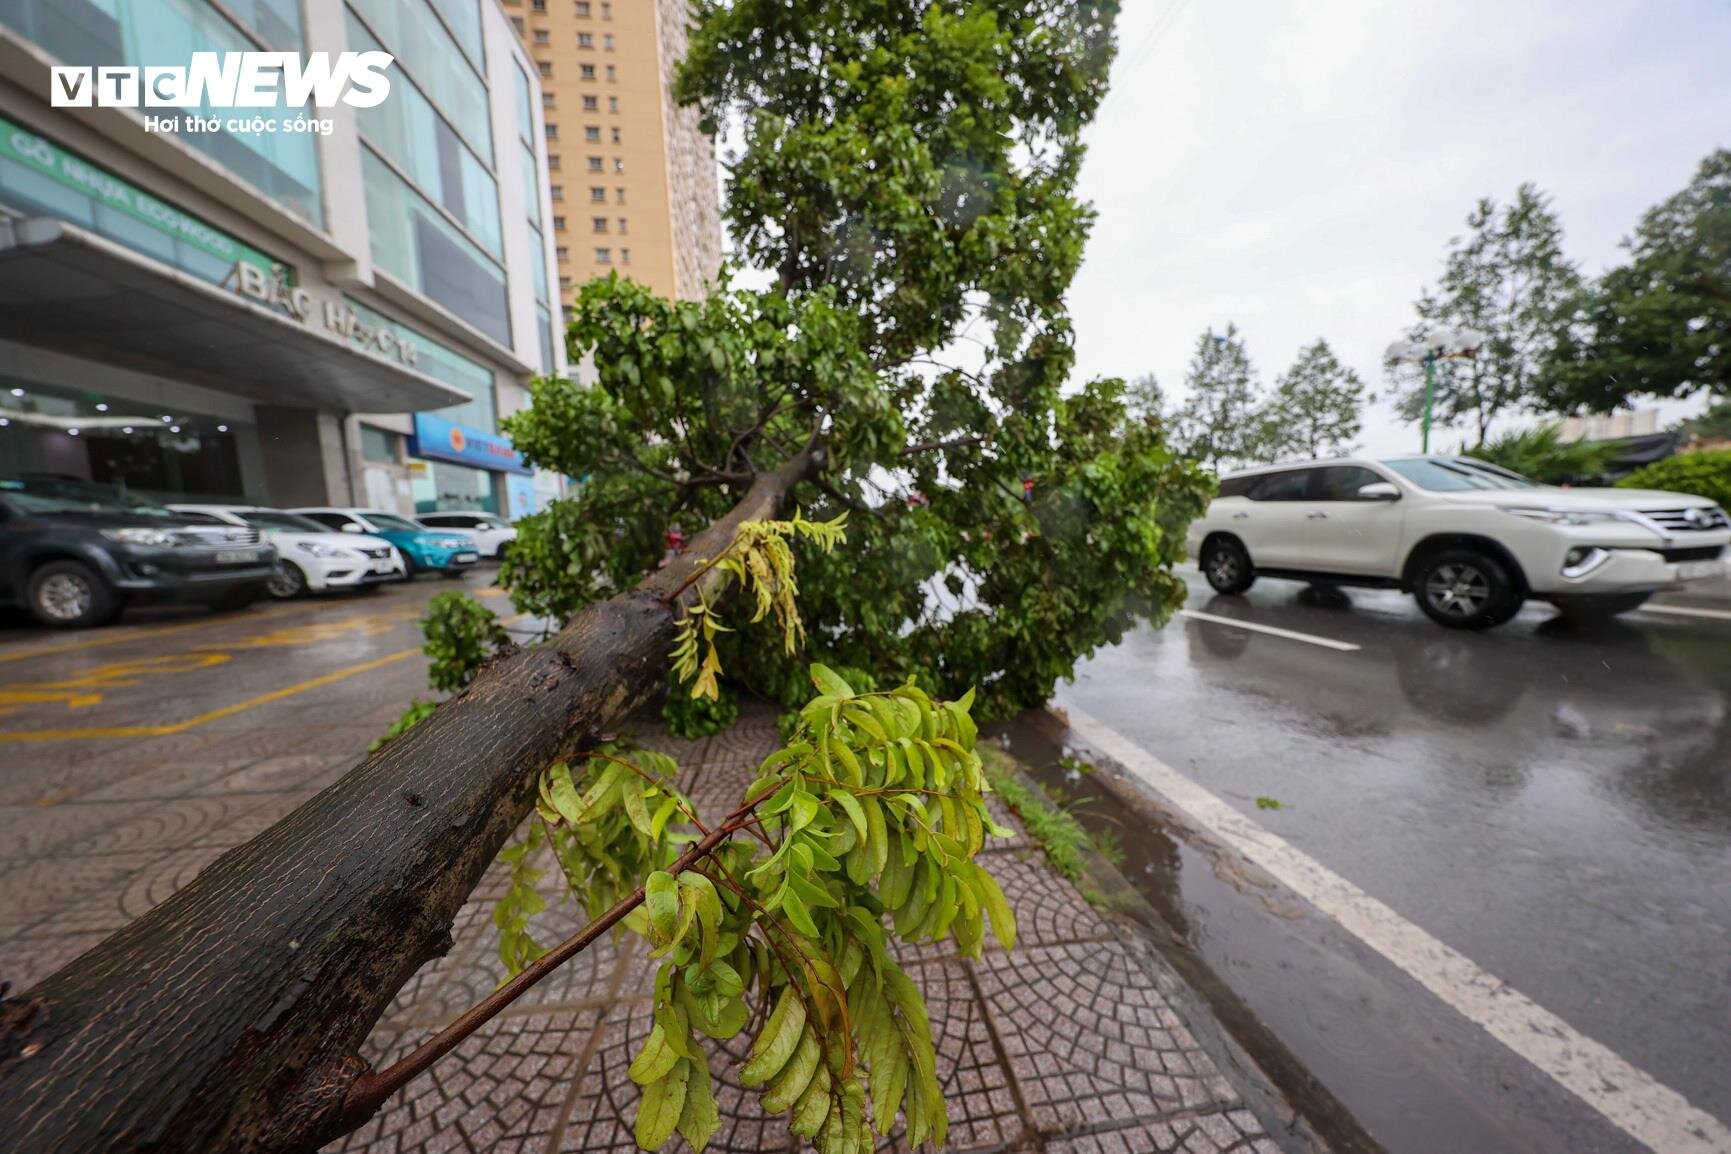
(1712, 426)
(1144, 397)
(1219, 423)
(905, 170)
(1316, 406)
(1509, 279)
(1660, 325)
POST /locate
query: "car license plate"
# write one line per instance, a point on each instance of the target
(236, 556)
(1699, 570)
(382, 566)
(467, 558)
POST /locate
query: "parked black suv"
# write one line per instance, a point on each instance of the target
(75, 554)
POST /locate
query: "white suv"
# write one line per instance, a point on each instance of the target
(1469, 540)
(311, 558)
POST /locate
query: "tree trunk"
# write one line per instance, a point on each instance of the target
(230, 1017)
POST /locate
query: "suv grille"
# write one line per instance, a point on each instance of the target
(1696, 553)
(216, 536)
(1689, 520)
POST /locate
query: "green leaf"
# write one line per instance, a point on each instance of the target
(655, 1059)
(997, 907)
(662, 1105)
(699, 1119)
(829, 683)
(794, 907)
(855, 812)
(661, 899)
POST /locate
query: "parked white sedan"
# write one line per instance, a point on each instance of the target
(490, 533)
(312, 558)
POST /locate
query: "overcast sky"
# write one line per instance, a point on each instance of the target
(1298, 166)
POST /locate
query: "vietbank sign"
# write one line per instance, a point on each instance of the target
(47, 160)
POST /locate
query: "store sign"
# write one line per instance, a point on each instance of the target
(64, 168)
(437, 439)
(273, 288)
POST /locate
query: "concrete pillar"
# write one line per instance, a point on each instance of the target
(304, 457)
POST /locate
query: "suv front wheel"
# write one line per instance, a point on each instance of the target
(1227, 566)
(70, 595)
(1465, 589)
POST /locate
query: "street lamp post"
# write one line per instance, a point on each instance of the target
(1435, 345)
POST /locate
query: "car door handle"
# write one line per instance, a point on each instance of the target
(1317, 516)
(1240, 516)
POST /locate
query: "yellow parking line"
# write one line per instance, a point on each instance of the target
(145, 632)
(213, 715)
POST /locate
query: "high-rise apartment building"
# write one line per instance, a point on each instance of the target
(632, 178)
(289, 317)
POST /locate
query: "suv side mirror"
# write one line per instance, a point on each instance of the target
(1378, 491)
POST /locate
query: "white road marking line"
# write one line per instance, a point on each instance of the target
(1688, 611)
(1272, 631)
(1631, 1099)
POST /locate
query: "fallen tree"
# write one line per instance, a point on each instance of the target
(231, 1016)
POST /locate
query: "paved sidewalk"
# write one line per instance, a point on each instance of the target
(1072, 1043)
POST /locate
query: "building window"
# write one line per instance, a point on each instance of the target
(544, 67)
(618, 164)
(592, 132)
(607, 41)
(558, 192)
(582, 7)
(540, 5)
(598, 224)
(603, 256)
(595, 164)
(616, 136)
(552, 162)
(517, 23)
(606, 11)
(619, 198)
(622, 226)
(586, 71)
(552, 130)
(624, 256)
(613, 104)
(558, 224)
(379, 445)
(562, 255)
(548, 99)
(584, 40)
(612, 74)
(542, 36)
(591, 104)
(598, 195)
(564, 284)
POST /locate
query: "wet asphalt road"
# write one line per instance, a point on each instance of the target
(1552, 803)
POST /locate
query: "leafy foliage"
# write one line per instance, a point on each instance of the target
(461, 634)
(1541, 454)
(907, 171)
(1315, 409)
(866, 823)
(759, 559)
(1508, 278)
(1712, 425)
(1659, 325)
(1702, 474)
(691, 717)
(1219, 421)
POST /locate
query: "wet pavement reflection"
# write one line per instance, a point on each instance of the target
(1550, 801)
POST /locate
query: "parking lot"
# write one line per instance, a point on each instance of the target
(1475, 883)
(131, 756)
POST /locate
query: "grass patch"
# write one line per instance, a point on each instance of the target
(1052, 827)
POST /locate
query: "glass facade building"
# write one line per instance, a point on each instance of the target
(274, 314)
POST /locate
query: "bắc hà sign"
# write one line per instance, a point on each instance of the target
(273, 288)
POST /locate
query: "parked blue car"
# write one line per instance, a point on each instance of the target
(424, 550)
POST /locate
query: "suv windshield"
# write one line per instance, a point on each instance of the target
(1441, 475)
(392, 523)
(64, 495)
(283, 522)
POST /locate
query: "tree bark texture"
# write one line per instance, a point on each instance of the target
(231, 1016)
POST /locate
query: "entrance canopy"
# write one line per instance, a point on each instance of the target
(64, 288)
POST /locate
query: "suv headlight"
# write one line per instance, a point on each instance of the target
(139, 536)
(314, 549)
(456, 543)
(1568, 516)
